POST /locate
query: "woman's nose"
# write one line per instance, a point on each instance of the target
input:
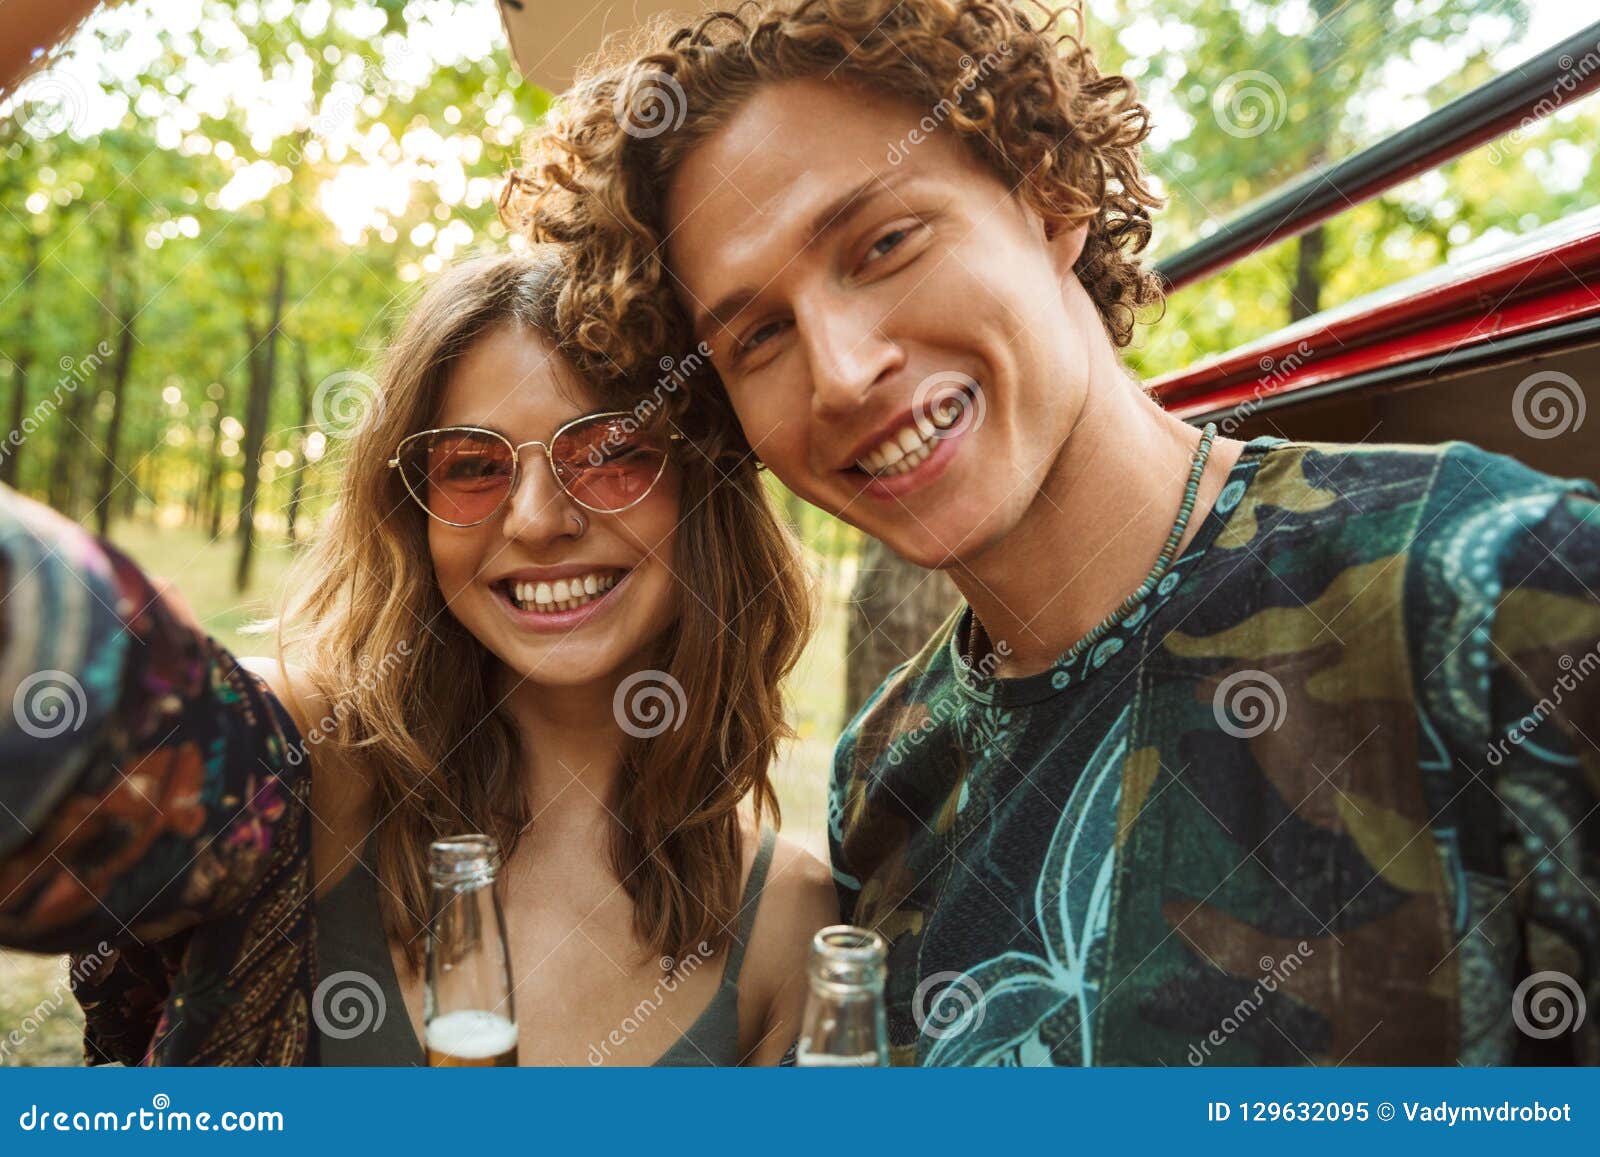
(537, 507)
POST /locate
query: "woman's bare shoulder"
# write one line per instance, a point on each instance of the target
(797, 900)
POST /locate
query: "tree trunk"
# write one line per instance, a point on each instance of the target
(111, 475)
(297, 485)
(895, 608)
(263, 367)
(1307, 298)
(211, 496)
(1325, 47)
(10, 465)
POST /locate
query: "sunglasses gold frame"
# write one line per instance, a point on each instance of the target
(516, 465)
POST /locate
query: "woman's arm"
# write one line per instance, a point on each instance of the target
(144, 776)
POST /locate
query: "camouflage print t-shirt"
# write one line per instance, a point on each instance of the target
(1328, 796)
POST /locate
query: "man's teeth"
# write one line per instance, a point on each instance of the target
(563, 594)
(911, 444)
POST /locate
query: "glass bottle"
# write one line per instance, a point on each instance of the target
(468, 1015)
(844, 1024)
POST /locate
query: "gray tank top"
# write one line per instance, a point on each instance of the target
(363, 1015)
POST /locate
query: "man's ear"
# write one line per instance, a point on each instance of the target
(1065, 244)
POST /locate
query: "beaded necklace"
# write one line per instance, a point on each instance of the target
(1106, 625)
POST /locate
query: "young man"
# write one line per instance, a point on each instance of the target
(1244, 753)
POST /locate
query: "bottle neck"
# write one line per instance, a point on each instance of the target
(463, 861)
(846, 959)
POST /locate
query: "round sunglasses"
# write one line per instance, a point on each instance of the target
(463, 475)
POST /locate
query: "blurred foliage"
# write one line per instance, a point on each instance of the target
(163, 179)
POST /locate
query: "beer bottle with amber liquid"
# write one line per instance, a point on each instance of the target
(468, 1016)
(844, 1024)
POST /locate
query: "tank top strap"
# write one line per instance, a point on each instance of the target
(750, 904)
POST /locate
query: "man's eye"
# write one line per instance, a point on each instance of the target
(885, 244)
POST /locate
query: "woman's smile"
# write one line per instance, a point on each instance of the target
(553, 603)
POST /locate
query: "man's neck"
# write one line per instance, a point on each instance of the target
(1093, 532)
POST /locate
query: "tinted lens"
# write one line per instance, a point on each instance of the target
(459, 475)
(610, 463)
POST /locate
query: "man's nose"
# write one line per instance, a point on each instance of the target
(848, 355)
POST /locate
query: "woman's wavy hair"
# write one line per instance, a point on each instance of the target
(1026, 97)
(411, 694)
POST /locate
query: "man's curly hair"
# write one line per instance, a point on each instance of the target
(1026, 97)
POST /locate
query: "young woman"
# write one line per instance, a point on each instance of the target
(535, 613)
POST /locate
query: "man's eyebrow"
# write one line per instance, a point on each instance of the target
(835, 215)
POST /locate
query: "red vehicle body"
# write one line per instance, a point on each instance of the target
(1440, 356)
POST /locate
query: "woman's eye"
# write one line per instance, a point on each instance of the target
(759, 335)
(467, 467)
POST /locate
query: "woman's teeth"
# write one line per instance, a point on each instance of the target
(561, 595)
(911, 444)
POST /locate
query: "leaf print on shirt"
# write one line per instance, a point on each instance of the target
(1021, 991)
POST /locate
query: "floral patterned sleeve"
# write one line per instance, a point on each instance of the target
(149, 786)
